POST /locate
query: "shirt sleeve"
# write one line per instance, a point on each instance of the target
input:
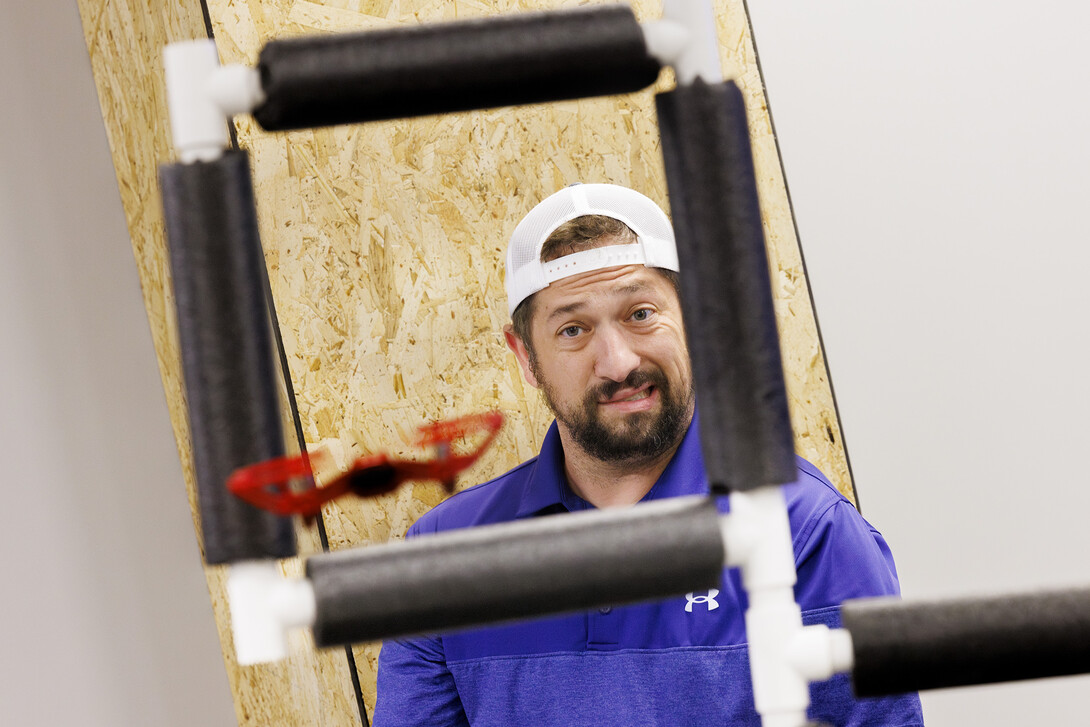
(415, 687)
(839, 556)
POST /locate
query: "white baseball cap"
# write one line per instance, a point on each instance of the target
(527, 274)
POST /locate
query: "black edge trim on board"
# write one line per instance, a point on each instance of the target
(292, 404)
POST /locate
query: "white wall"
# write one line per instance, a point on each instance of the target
(105, 612)
(938, 156)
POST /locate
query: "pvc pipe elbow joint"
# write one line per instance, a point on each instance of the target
(264, 606)
(200, 94)
(699, 55)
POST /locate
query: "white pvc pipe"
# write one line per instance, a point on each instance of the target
(817, 652)
(700, 56)
(201, 94)
(236, 89)
(666, 40)
(197, 124)
(785, 656)
(264, 606)
(757, 539)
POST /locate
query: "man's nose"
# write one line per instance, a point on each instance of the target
(615, 357)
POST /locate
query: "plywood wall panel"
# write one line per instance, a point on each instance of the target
(384, 244)
(124, 41)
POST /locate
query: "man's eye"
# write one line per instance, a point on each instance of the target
(570, 331)
(642, 314)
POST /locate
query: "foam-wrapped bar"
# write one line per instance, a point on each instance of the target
(902, 647)
(452, 66)
(726, 293)
(227, 354)
(522, 569)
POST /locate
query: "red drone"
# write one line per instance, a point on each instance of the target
(268, 484)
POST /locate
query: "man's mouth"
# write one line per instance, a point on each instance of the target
(622, 397)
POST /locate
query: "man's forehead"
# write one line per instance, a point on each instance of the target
(585, 290)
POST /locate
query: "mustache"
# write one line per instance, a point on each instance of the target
(637, 378)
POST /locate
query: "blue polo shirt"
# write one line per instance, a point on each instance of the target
(682, 661)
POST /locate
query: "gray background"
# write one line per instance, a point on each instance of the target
(937, 158)
(105, 610)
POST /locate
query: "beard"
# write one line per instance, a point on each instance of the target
(639, 436)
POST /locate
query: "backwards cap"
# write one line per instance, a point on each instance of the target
(527, 274)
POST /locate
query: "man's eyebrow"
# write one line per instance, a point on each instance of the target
(565, 309)
(638, 286)
(634, 287)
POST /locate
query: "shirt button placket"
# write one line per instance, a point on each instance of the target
(603, 629)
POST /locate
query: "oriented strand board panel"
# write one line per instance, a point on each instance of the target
(384, 244)
(124, 41)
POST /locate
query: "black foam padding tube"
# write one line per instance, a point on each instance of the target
(517, 570)
(452, 66)
(227, 355)
(725, 289)
(903, 647)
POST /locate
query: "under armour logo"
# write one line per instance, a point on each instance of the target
(708, 599)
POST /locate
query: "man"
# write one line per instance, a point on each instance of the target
(597, 327)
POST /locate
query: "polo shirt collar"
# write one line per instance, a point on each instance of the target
(546, 488)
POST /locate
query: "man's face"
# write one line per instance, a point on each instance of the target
(609, 353)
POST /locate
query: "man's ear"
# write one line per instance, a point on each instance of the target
(518, 347)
